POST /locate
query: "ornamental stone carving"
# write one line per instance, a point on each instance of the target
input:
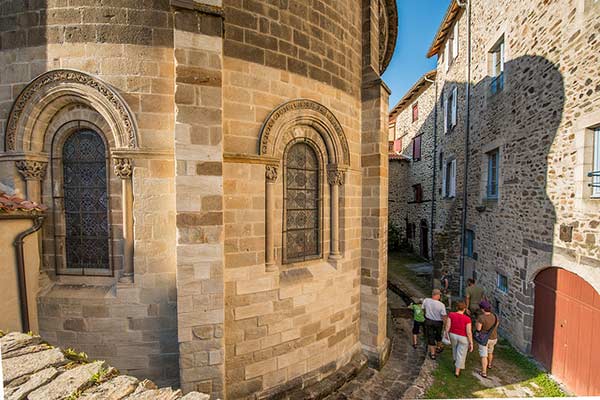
(123, 168)
(32, 170)
(31, 94)
(304, 112)
(271, 173)
(335, 177)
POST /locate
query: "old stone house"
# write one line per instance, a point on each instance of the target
(215, 174)
(518, 111)
(411, 140)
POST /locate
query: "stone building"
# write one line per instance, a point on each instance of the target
(411, 145)
(518, 111)
(215, 174)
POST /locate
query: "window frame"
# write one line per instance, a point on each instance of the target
(500, 285)
(449, 179)
(451, 110)
(469, 249)
(320, 209)
(415, 111)
(417, 193)
(59, 218)
(490, 183)
(497, 59)
(595, 173)
(416, 144)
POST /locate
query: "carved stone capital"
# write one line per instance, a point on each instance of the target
(335, 177)
(123, 168)
(32, 170)
(271, 173)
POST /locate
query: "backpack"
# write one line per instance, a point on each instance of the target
(482, 337)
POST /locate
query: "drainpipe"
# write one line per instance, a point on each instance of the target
(18, 243)
(467, 6)
(435, 106)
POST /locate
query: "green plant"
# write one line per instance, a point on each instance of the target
(73, 355)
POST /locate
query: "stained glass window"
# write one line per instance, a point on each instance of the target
(85, 201)
(301, 233)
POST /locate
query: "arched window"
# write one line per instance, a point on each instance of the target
(85, 201)
(301, 233)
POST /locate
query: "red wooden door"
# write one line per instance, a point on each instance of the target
(566, 315)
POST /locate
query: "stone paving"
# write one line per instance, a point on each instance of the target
(398, 374)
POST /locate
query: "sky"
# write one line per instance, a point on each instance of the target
(418, 22)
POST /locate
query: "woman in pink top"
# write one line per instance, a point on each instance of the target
(461, 337)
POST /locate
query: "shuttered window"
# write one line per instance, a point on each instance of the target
(417, 148)
(449, 179)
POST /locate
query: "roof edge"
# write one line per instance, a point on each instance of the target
(440, 36)
(423, 81)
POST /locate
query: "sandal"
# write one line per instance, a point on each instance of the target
(432, 356)
(489, 366)
(439, 350)
(414, 346)
(482, 374)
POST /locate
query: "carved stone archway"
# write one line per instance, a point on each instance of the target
(276, 133)
(53, 102)
(43, 96)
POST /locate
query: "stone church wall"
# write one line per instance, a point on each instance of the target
(210, 307)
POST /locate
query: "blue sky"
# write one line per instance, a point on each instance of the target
(418, 22)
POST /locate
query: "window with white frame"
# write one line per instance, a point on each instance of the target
(449, 179)
(497, 66)
(450, 110)
(595, 174)
(451, 49)
(493, 173)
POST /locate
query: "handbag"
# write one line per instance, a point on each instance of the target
(483, 337)
(446, 339)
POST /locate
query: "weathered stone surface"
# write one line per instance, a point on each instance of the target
(16, 340)
(115, 389)
(35, 381)
(29, 363)
(67, 383)
(195, 396)
(25, 350)
(157, 394)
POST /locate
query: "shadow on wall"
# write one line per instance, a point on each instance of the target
(515, 230)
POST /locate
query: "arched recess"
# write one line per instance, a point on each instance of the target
(46, 111)
(303, 112)
(304, 120)
(41, 99)
(388, 32)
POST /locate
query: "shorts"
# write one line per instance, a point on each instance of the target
(487, 349)
(416, 327)
(433, 331)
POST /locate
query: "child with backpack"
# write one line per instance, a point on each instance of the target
(418, 320)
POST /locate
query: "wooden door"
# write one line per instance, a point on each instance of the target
(566, 315)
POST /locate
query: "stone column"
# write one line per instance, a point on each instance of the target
(124, 170)
(271, 179)
(335, 178)
(33, 172)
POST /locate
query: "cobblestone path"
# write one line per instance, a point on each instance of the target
(400, 371)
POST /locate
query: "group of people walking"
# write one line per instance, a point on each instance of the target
(472, 323)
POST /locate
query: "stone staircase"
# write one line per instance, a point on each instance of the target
(35, 370)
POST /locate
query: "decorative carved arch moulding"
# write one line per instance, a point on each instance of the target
(304, 112)
(51, 85)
